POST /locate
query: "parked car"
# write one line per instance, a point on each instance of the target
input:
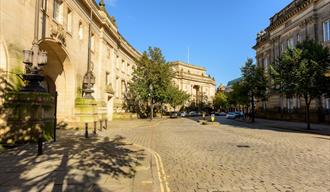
(174, 115)
(192, 113)
(222, 114)
(231, 115)
(239, 114)
(184, 114)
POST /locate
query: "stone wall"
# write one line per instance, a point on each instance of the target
(65, 37)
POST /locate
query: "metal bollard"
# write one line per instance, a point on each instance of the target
(86, 130)
(94, 128)
(40, 143)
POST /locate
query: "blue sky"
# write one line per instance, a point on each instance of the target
(219, 33)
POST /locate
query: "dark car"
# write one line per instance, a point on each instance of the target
(174, 115)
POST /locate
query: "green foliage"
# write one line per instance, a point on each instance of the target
(176, 97)
(152, 70)
(239, 95)
(301, 71)
(220, 101)
(254, 80)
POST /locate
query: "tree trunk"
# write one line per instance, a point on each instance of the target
(308, 113)
(161, 110)
(152, 110)
(253, 113)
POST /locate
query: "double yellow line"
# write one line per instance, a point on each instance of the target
(160, 169)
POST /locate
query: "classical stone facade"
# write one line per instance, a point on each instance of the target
(66, 26)
(194, 80)
(299, 20)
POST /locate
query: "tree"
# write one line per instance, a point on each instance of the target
(255, 81)
(239, 95)
(220, 101)
(302, 71)
(152, 72)
(175, 96)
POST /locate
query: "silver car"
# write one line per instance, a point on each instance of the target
(231, 115)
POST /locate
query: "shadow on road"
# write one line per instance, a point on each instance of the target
(280, 126)
(71, 164)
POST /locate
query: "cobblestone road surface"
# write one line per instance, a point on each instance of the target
(222, 158)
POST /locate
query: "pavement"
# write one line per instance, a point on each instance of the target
(99, 163)
(174, 155)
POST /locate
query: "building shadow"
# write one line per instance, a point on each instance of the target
(279, 126)
(71, 164)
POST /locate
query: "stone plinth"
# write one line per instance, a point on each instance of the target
(27, 114)
(85, 111)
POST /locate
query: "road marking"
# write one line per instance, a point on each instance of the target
(160, 169)
(147, 182)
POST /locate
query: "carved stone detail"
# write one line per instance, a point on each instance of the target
(58, 33)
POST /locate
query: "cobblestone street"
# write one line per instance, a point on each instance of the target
(230, 157)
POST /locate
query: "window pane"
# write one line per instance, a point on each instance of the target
(326, 30)
(69, 20)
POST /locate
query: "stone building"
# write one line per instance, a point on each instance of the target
(299, 20)
(66, 26)
(194, 80)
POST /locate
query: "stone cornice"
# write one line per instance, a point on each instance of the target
(289, 11)
(196, 78)
(188, 65)
(110, 27)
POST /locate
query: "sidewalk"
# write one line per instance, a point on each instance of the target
(73, 163)
(321, 129)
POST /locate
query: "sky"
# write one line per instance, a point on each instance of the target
(218, 33)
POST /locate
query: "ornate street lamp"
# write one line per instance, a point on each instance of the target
(34, 61)
(88, 83)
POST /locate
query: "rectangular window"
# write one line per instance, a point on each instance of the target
(282, 48)
(69, 21)
(289, 103)
(107, 78)
(117, 62)
(58, 11)
(266, 64)
(108, 51)
(290, 43)
(44, 5)
(298, 103)
(117, 93)
(123, 66)
(298, 37)
(128, 69)
(92, 42)
(326, 31)
(81, 31)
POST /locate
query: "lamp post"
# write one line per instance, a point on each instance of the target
(35, 60)
(89, 78)
(151, 102)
